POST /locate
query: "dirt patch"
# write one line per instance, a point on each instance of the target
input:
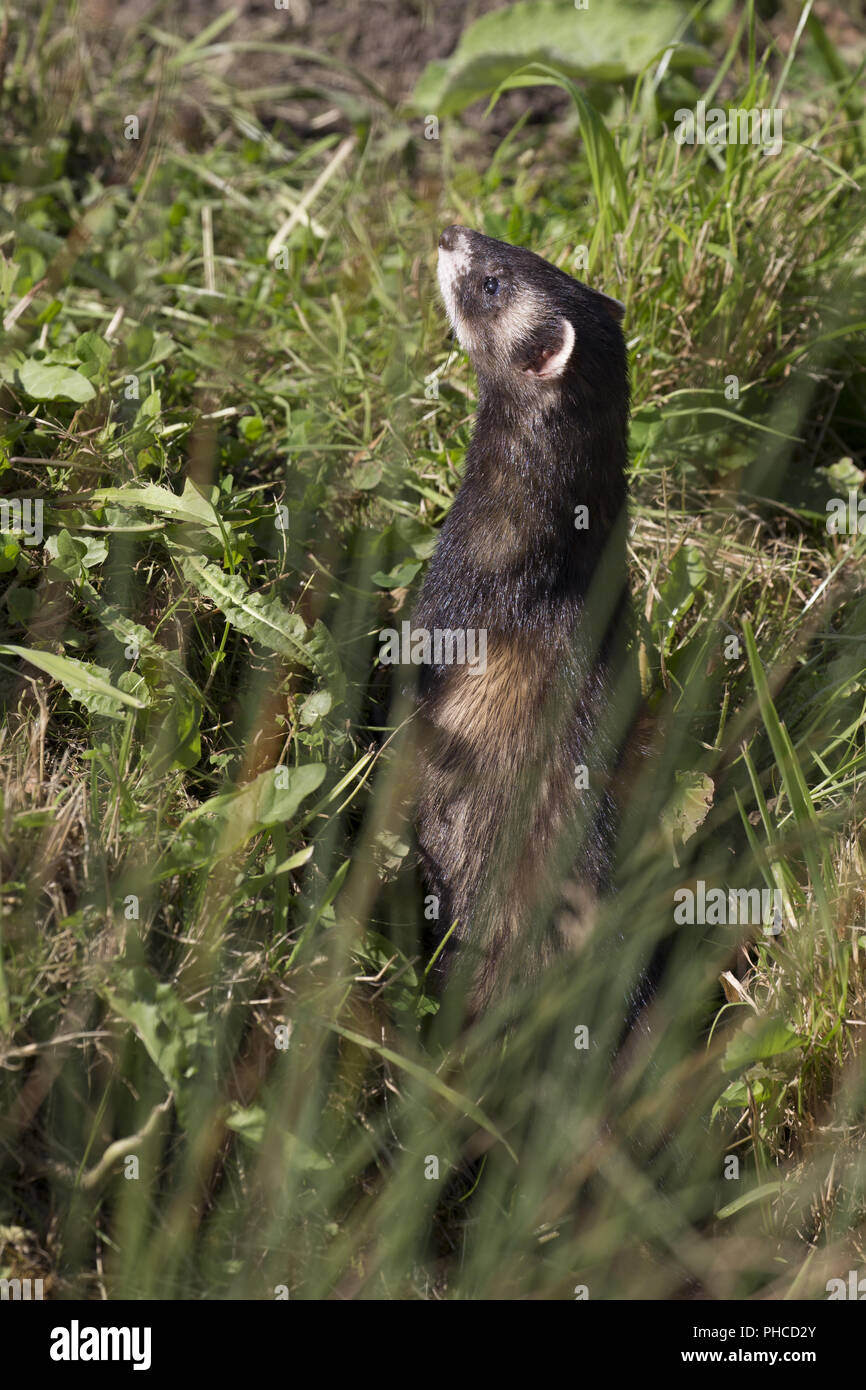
(374, 47)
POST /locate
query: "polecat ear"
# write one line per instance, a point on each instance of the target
(614, 307)
(550, 358)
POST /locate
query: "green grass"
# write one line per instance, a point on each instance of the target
(213, 968)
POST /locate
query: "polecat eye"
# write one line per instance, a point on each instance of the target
(491, 285)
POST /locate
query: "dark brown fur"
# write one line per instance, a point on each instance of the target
(500, 821)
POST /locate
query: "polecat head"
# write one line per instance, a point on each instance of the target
(523, 322)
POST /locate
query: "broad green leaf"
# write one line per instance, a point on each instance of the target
(605, 43)
(136, 638)
(267, 621)
(9, 552)
(252, 427)
(757, 1041)
(90, 347)
(397, 578)
(368, 476)
(688, 807)
(72, 555)
(150, 410)
(42, 381)
(687, 575)
(176, 706)
(736, 1096)
(250, 1123)
(315, 707)
(224, 823)
(179, 1042)
(191, 506)
(84, 682)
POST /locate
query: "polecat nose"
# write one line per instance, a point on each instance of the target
(449, 238)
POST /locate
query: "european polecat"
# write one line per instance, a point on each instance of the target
(516, 751)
